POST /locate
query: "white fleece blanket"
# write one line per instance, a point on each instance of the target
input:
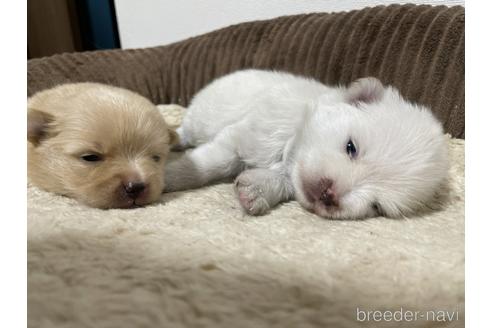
(195, 260)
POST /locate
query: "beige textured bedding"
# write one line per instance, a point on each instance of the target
(196, 260)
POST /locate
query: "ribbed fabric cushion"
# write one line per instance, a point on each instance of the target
(418, 49)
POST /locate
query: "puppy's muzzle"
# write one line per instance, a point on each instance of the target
(323, 192)
(134, 189)
(328, 197)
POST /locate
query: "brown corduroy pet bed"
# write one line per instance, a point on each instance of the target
(418, 49)
(194, 259)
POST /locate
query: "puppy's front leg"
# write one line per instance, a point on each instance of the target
(208, 162)
(259, 190)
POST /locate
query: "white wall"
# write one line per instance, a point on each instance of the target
(145, 23)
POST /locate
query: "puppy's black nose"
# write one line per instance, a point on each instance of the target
(134, 189)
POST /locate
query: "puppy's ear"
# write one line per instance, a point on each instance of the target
(173, 137)
(365, 90)
(38, 125)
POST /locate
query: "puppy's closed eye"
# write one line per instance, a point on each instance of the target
(377, 208)
(91, 157)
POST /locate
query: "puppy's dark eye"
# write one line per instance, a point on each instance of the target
(91, 158)
(156, 158)
(350, 149)
(377, 208)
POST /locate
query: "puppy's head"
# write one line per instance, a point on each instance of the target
(373, 153)
(101, 145)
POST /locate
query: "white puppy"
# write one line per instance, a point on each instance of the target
(353, 152)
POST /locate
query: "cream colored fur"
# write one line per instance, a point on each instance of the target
(196, 260)
(121, 133)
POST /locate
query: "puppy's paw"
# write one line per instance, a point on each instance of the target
(250, 196)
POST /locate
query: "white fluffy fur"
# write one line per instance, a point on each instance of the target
(285, 136)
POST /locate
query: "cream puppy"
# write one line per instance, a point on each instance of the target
(342, 153)
(102, 145)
